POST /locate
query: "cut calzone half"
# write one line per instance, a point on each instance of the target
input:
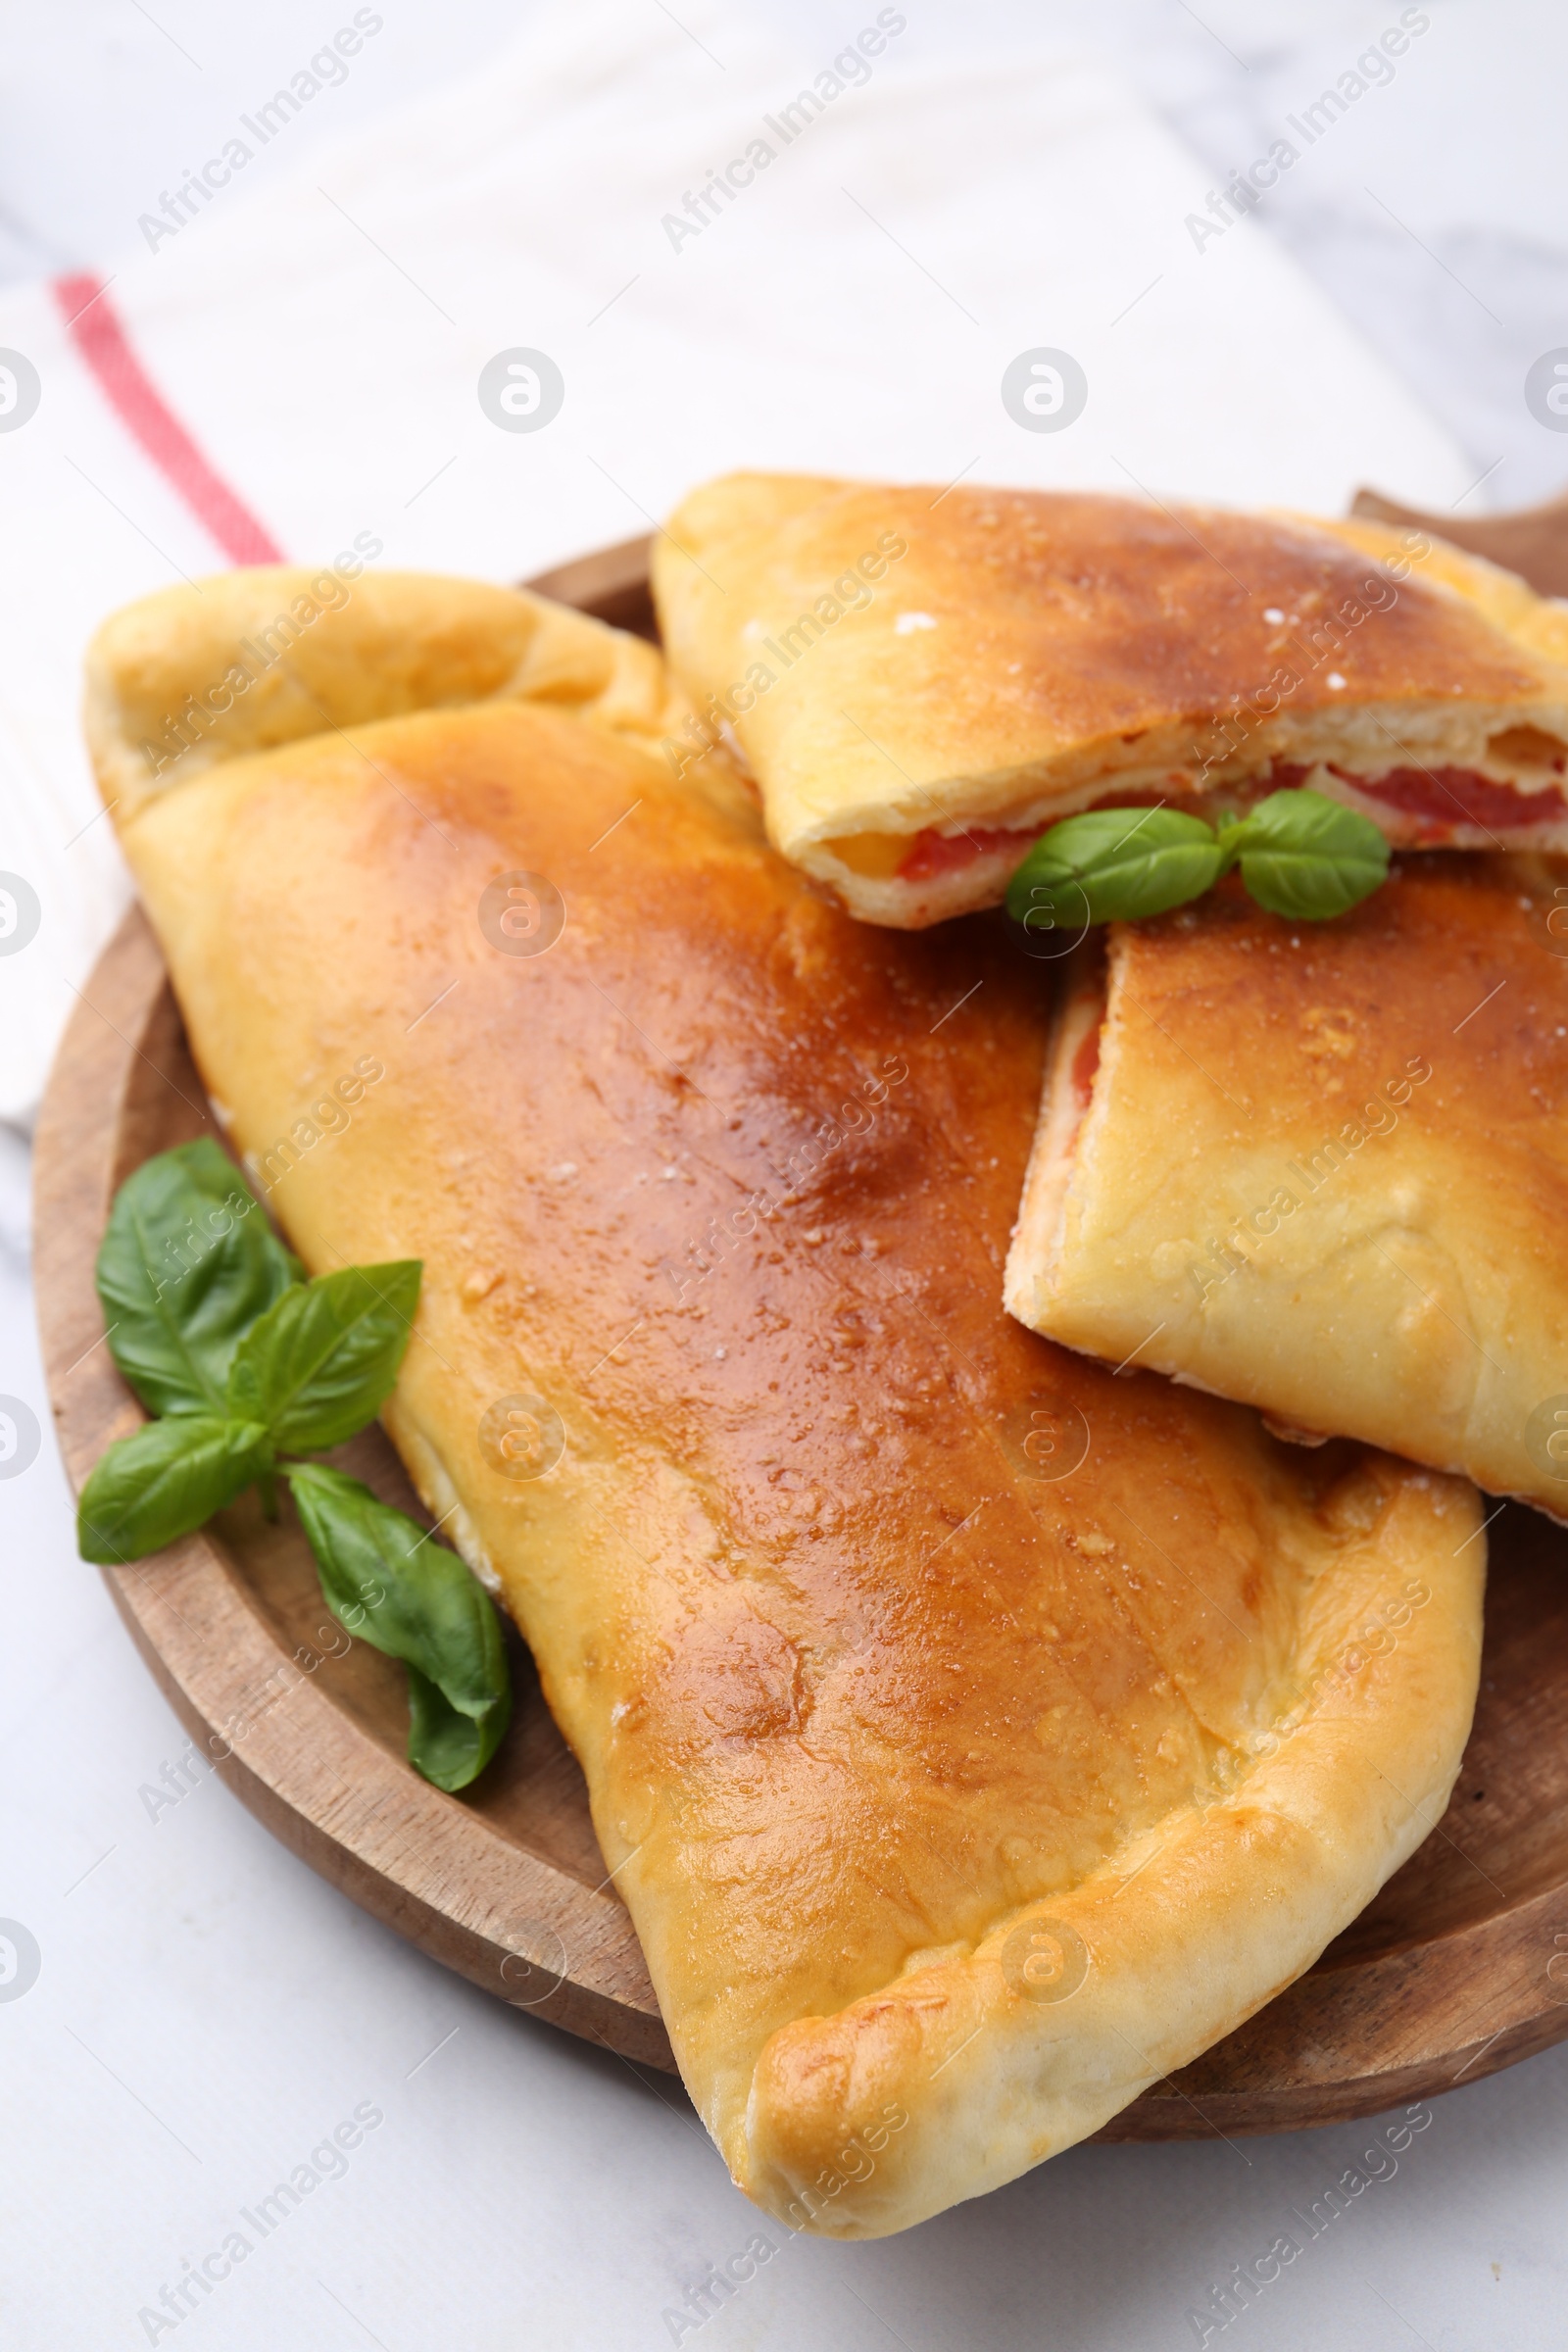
(974, 1736)
(1323, 1168)
(921, 681)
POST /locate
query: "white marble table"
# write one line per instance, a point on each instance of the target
(207, 2011)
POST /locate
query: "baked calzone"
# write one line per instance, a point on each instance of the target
(923, 680)
(195, 675)
(1323, 1168)
(973, 1736)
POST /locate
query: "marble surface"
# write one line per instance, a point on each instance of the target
(205, 2009)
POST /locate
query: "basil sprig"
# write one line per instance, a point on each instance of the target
(243, 1361)
(1301, 855)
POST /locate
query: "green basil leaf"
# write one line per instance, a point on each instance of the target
(322, 1363)
(387, 1578)
(446, 1747)
(164, 1480)
(1114, 865)
(1306, 857)
(187, 1263)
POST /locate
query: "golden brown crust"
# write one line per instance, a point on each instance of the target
(250, 659)
(724, 1179)
(1538, 623)
(1204, 1915)
(917, 669)
(1326, 1167)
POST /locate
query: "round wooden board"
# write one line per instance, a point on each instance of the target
(1459, 1967)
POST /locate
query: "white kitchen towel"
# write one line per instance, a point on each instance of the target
(729, 252)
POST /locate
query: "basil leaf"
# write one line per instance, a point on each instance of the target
(1114, 865)
(445, 1746)
(387, 1578)
(187, 1262)
(321, 1362)
(164, 1480)
(1310, 857)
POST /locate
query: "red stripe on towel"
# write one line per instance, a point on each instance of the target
(95, 329)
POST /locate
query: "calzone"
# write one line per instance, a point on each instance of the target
(973, 1736)
(923, 680)
(1323, 1168)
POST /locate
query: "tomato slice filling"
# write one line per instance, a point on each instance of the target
(1439, 796)
(1074, 1063)
(932, 854)
(1458, 796)
(1085, 1063)
(1443, 796)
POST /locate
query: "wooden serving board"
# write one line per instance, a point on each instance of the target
(1459, 1967)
